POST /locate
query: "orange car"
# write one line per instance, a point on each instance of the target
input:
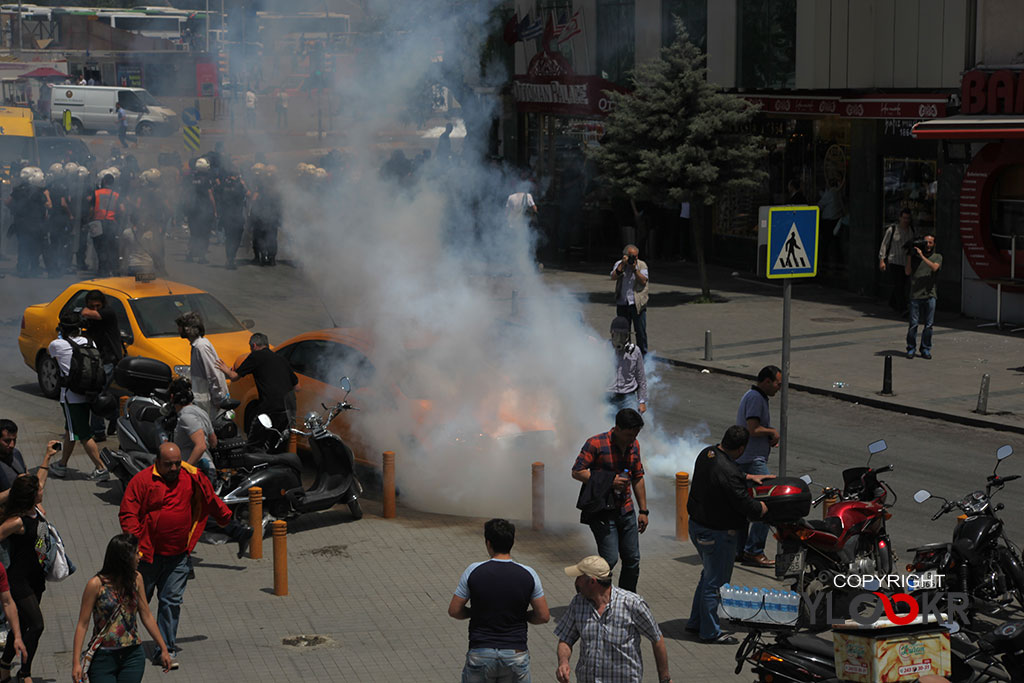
(146, 311)
(321, 358)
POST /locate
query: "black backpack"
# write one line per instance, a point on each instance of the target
(85, 374)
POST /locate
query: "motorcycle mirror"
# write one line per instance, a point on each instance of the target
(876, 447)
(264, 420)
(952, 626)
(921, 496)
(1004, 452)
(807, 479)
(345, 384)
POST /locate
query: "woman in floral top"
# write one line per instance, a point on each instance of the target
(114, 598)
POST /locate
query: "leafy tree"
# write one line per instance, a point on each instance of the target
(676, 138)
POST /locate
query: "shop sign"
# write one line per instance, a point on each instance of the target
(564, 95)
(899, 128)
(998, 92)
(985, 258)
(903, 107)
(814, 105)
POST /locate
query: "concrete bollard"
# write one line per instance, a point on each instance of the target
(280, 531)
(388, 477)
(887, 377)
(828, 503)
(538, 496)
(682, 497)
(256, 522)
(708, 351)
(982, 408)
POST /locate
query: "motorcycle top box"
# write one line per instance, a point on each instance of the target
(787, 498)
(141, 376)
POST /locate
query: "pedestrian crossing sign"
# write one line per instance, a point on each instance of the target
(792, 241)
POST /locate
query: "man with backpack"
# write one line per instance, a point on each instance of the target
(82, 378)
(103, 329)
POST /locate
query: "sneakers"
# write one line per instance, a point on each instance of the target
(59, 471)
(174, 660)
(927, 355)
(910, 354)
(97, 474)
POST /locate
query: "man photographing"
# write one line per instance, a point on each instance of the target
(923, 270)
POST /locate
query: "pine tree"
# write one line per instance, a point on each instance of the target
(676, 138)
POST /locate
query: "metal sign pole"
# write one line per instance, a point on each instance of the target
(787, 300)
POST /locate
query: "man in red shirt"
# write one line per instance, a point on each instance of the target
(166, 507)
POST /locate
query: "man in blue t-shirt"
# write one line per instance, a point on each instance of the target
(502, 592)
(753, 414)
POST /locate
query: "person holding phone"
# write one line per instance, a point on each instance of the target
(631, 278)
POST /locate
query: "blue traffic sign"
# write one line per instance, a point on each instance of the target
(190, 116)
(792, 241)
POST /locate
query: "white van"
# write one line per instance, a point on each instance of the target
(94, 107)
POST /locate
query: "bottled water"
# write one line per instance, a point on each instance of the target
(728, 607)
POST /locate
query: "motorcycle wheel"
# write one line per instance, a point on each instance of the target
(884, 559)
(1014, 571)
(355, 509)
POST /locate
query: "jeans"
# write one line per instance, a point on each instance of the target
(620, 401)
(717, 550)
(752, 541)
(921, 310)
(168, 574)
(639, 321)
(487, 665)
(617, 536)
(120, 665)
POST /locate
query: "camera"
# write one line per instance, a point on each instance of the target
(918, 243)
(631, 259)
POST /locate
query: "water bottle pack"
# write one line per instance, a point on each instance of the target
(759, 605)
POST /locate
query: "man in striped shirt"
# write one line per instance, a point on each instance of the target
(892, 259)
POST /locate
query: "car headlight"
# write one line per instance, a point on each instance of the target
(182, 370)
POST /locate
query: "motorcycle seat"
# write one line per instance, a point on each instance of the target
(812, 644)
(230, 404)
(256, 459)
(830, 525)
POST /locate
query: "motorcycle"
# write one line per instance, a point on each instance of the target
(851, 539)
(280, 475)
(981, 561)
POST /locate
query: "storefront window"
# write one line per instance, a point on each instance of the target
(1008, 209)
(694, 14)
(616, 39)
(766, 44)
(909, 184)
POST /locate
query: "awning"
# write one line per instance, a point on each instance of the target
(970, 128)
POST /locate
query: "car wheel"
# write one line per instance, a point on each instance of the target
(48, 376)
(144, 129)
(77, 128)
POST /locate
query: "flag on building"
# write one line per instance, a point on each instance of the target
(511, 32)
(574, 27)
(563, 21)
(534, 30)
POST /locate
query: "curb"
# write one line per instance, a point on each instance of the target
(853, 398)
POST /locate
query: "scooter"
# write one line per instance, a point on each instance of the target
(280, 475)
(792, 657)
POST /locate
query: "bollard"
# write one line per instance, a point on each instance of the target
(828, 503)
(280, 531)
(682, 497)
(887, 377)
(708, 355)
(538, 496)
(983, 395)
(388, 496)
(256, 522)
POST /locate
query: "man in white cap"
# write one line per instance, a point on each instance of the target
(608, 621)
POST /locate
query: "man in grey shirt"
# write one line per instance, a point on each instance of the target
(629, 386)
(753, 414)
(193, 434)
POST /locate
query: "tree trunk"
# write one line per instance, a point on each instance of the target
(697, 230)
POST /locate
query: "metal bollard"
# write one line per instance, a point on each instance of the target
(887, 377)
(280, 531)
(682, 497)
(388, 495)
(828, 503)
(708, 354)
(983, 395)
(256, 522)
(538, 496)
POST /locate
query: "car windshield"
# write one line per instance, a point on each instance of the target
(146, 98)
(156, 315)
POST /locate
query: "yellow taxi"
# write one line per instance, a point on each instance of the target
(146, 311)
(388, 396)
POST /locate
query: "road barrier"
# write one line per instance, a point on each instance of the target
(538, 496)
(682, 497)
(388, 495)
(708, 351)
(256, 522)
(280, 531)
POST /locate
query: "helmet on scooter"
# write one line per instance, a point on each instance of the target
(105, 405)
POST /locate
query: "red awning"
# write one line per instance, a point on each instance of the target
(970, 128)
(44, 72)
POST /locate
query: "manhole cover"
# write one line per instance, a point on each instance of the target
(305, 641)
(331, 551)
(832, 320)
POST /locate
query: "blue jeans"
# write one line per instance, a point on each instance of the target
(168, 574)
(752, 540)
(620, 401)
(121, 665)
(487, 665)
(921, 310)
(615, 536)
(717, 550)
(639, 321)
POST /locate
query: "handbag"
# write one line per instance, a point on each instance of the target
(95, 228)
(94, 644)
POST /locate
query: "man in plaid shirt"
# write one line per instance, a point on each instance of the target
(608, 622)
(617, 531)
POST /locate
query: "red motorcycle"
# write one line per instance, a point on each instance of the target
(850, 540)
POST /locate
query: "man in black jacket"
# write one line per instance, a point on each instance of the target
(718, 506)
